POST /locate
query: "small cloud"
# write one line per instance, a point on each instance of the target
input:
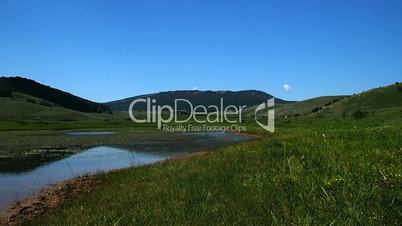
(286, 87)
(195, 88)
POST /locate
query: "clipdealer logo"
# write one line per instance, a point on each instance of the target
(270, 125)
(209, 115)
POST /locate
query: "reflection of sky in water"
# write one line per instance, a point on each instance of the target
(21, 183)
(17, 186)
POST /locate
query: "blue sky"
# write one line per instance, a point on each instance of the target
(107, 50)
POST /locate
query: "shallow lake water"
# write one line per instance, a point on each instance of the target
(18, 183)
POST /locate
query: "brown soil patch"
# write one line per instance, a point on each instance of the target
(51, 197)
(48, 198)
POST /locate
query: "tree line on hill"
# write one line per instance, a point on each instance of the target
(8, 85)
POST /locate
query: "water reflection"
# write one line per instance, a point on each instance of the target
(22, 175)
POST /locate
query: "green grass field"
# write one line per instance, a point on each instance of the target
(341, 165)
(300, 175)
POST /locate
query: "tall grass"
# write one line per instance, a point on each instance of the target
(300, 176)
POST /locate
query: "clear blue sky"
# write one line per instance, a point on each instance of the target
(106, 50)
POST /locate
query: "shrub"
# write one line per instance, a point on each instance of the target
(359, 114)
(398, 86)
(45, 103)
(316, 109)
(32, 101)
(5, 93)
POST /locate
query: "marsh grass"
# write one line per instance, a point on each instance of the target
(302, 175)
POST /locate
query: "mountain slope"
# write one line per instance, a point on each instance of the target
(205, 98)
(300, 108)
(308, 106)
(58, 97)
(25, 107)
(382, 100)
(388, 97)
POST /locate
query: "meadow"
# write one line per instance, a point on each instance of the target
(311, 171)
(337, 163)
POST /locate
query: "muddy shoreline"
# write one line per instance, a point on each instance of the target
(36, 205)
(40, 202)
(51, 197)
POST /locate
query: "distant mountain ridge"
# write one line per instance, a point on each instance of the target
(196, 97)
(56, 96)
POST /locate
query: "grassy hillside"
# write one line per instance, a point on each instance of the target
(319, 170)
(369, 102)
(384, 100)
(58, 97)
(25, 112)
(25, 107)
(250, 112)
(297, 109)
(205, 98)
(306, 107)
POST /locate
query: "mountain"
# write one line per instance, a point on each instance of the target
(10, 85)
(301, 108)
(374, 100)
(382, 100)
(24, 107)
(308, 106)
(205, 98)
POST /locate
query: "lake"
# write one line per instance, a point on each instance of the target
(29, 174)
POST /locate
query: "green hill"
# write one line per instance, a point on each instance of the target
(205, 98)
(302, 108)
(383, 100)
(8, 85)
(306, 107)
(388, 98)
(24, 107)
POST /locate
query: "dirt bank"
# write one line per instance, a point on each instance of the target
(51, 197)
